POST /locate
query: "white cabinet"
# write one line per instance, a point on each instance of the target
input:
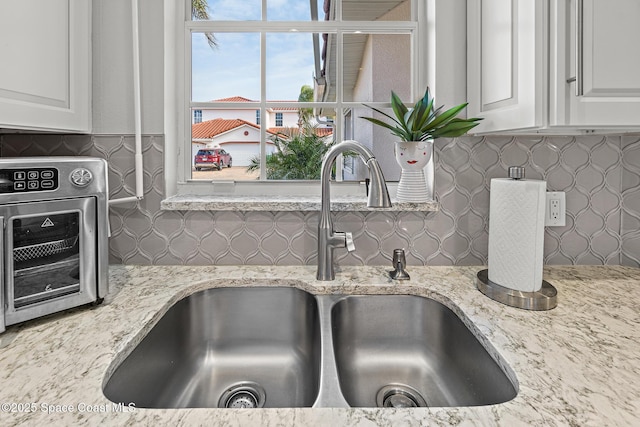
(45, 83)
(554, 66)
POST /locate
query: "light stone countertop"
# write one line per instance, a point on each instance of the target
(286, 203)
(576, 365)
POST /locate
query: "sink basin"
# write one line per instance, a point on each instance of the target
(281, 347)
(406, 351)
(227, 347)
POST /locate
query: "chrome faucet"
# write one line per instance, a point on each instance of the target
(328, 239)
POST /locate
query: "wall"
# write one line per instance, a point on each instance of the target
(599, 174)
(388, 58)
(113, 66)
(631, 201)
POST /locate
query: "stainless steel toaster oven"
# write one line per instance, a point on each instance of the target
(54, 240)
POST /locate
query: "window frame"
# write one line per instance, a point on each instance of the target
(178, 105)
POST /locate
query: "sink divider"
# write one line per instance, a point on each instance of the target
(329, 394)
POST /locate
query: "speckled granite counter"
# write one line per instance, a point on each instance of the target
(286, 203)
(577, 365)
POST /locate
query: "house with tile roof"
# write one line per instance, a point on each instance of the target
(238, 137)
(237, 130)
(275, 117)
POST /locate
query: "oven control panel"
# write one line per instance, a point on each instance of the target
(27, 180)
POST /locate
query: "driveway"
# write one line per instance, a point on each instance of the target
(236, 173)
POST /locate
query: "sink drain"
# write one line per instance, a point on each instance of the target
(399, 396)
(245, 394)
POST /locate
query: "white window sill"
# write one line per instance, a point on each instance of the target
(284, 203)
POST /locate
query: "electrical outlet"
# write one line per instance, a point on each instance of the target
(555, 212)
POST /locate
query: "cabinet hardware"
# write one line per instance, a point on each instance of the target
(579, 78)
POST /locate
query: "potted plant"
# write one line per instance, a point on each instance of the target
(417, 128)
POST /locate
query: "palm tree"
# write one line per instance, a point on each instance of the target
(200, 12)
(298, 156)
(305, 114)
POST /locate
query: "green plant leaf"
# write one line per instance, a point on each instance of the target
(425, 115)
(423, 121)
(445, 117)
(398, 107)
(380, 112)
(379, 122)
(455, 128)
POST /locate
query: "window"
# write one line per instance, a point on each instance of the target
(197, 116)
(293, 64)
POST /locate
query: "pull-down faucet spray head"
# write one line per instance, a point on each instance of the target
(378, 193)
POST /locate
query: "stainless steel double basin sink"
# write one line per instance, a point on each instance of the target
(274, 347)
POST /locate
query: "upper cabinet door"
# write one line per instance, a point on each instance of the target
(554, 66)
(45, 46)
(603, 70)
(506, 65)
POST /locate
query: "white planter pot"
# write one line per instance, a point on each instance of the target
(413, 156)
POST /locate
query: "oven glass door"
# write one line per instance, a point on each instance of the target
(50, 257)
(46, 257)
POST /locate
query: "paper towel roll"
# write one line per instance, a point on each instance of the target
(516, 233)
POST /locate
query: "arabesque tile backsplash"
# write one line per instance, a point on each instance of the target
(600, 174)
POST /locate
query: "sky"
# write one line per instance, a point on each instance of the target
(233, 67)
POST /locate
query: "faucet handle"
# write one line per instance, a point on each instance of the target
(348, 240)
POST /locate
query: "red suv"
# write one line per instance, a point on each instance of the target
(212, 158)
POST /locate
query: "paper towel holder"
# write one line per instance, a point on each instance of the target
(516, 172)
(544, 299)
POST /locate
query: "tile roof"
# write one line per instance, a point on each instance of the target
(322, 132)
(243, 99)
(211, 128)
(234, 99)
(244, 142)
(279, 108)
